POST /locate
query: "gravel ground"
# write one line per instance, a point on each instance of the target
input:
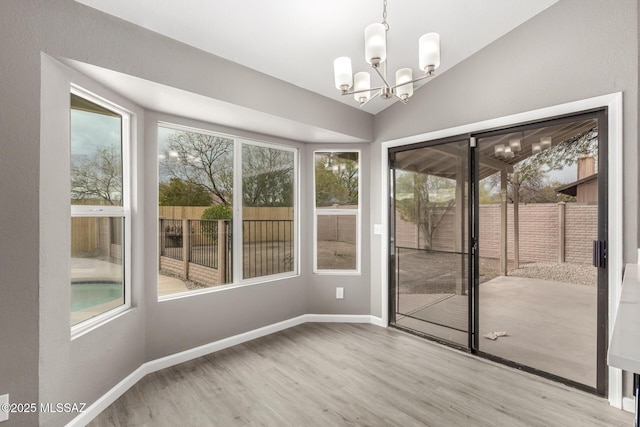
(580, 274)
(190, 284)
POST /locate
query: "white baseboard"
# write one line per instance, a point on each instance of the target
(184, 356)
(629, 404)
(340, 318)
(107, 399)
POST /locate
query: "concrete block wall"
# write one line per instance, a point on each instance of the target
(339, 228)
(582, 229)
(171, 265)
(204, 275)
(197, 273)
(539, 232)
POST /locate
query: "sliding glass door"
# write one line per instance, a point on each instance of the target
(498, 245)
(541, 299)
(430, 277)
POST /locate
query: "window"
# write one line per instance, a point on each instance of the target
(100, 216)
(337, 212)
(203, 178)
(268, 197)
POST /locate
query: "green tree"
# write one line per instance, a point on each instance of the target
(218, 212)
(267, 176)
(181, 193)
(336, 182)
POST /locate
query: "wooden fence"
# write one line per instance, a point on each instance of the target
(248, 213)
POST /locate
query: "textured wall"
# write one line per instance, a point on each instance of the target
(539, 232)
(582, 229)
(548, 60)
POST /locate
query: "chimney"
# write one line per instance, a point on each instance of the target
(586, 167)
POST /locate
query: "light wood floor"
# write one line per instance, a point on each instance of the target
(351, 375)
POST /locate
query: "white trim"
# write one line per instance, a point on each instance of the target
(629, 404)
(184, 356)
(237, 225)
(614, 104)
(339, 318)
(123, 211)
(108, 398)
(237, 202)
(614, 249)
(337, 212)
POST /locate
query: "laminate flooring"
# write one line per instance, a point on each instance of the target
(333, 374)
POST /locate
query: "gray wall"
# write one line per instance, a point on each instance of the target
(39, 362)
(181, 324)
(321, 288)
(574, 50)
(82, 369)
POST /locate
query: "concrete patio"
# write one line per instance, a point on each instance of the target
(550, 325)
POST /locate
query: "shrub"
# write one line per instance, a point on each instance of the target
(214, 213)
(218, 212)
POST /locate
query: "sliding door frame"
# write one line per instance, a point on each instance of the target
(602, 293)
(614, 105)
(393, 258)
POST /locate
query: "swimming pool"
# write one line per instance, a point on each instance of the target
(90, 294)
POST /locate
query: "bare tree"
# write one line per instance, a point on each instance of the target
(529, 179)
(421, 209)
(98, 178)
(202, 160)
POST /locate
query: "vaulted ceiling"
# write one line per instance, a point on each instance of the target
(297, 41)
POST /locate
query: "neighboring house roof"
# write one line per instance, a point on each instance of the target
(572, 189)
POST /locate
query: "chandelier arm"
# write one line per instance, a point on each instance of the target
(384, 79)
(351, 92)
(404, 101)
(426, 76)
(362, 104)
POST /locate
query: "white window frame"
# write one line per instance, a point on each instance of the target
(237, 207)
(124, 211)
(237, 252)
(337, 212)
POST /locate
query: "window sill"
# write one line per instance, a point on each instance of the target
(98, 321)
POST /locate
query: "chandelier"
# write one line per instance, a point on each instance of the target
(375, 48)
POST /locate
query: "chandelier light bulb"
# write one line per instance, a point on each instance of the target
(507, 152)
(515, 145)
(545, 142)
(375, 44)
(404, 75)
(343, 73)
(375, 53)
(536, 147)
(362, 81)
(429, 52)
(498, 150)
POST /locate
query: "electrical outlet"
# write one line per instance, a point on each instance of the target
(339, 293)
(4, 401)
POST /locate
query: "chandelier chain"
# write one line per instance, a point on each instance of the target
(384, 15)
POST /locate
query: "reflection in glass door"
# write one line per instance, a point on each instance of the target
(498, 245)
(538, 216)
(430, 292)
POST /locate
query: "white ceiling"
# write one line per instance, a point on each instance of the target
(297, 40)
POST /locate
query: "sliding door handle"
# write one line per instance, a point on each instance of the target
(600, 253)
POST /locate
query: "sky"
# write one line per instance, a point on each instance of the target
(90, 131)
